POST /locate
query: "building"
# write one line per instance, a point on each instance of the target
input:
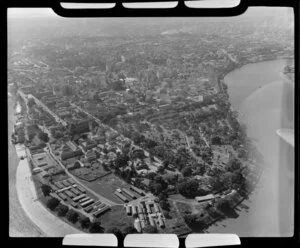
(204, 198)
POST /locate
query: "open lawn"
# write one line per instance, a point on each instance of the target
(107, 185)
(116, 217)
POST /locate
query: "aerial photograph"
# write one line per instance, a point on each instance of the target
(151, 124)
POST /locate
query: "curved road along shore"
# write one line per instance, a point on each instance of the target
(51, 225)
(27, 216)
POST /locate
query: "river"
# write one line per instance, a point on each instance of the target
(265, 100)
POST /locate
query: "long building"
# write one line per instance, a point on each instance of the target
(86, 203)
(84, 199)
(122, 197)
(77, 198)
(62, 196)
(128, 210)
(139, 191)
(101, 211)
(128, 192)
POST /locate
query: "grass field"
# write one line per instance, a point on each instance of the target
(116, 217)
(106, 186)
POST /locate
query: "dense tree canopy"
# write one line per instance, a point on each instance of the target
(96, 227)
(52, 203)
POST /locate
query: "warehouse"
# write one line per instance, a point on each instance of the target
(128, 210)
(84, 199)
(122, 197)
(151, 221)
(75, 191)
(143, 224)
(53, 187)
(148, 208)
(141, 216)
(74, 204)
(156, 209)
(66, 183)
(81, 188)
(102, 205)
(71, 181)
(139, 191)
(160, 221)
(64, 189)
(137, 225)
(77, 198)
(69, 193)
(134, 210)
(59, 185)
(62, 196)
(86, 203)
(128, 192)
(88, 208)
(139, 209)
(204, 198)
(101, 211)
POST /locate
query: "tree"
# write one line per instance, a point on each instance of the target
(223, 205)
(216, 140)
(44, 137)
(189, 188)
(187, 171)
(128, 230)
(85, 222)
(234, 165)
(72, 216)
(116, 231)
(46, 189)
(150, 229)
(30, 102)
(96, 227)
(62, 210)
(52, 203)
(164, 205)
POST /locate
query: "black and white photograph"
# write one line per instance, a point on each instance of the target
(151, 124)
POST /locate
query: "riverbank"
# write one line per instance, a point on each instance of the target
(19, 223)
(28, 217)
(46, 221)
(269, 209)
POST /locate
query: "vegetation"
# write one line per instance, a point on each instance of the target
(129, 230)
(62, 210)
(44, 137)
(52, 203)
(46, 189)
(85, 222)
(96, 227)
(150, 229)
(72, 216)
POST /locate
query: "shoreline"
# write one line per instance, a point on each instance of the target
(42, 221)
(221, 82)
(45, 220)
(20, 225)
(262, 170)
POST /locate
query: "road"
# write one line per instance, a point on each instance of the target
(51, 225)
(101, 198)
